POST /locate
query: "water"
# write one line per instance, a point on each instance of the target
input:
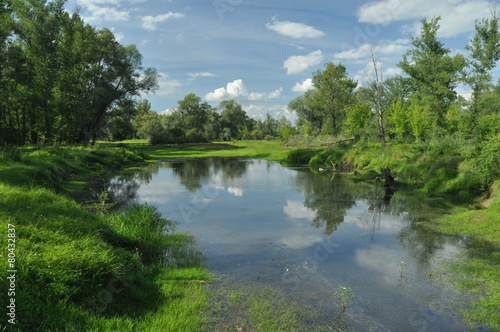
(260, 223)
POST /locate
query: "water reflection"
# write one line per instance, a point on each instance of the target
(261, 221)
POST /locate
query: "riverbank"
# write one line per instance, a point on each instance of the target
(73, 267)
(53, 230)
(432, 169)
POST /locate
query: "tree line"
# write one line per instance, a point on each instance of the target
(419, 105)
(62, 80)
(60, 77)
(196, 121)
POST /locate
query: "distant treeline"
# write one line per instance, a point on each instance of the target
(196, 121)
(59, 77)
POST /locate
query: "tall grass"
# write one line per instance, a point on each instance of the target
(81, 271)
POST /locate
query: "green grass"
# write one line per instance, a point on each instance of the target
(78, 270)
(270, 150)
(68, 257)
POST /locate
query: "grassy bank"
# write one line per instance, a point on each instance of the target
(81, 271)
(435, 168)
(439, 169)
(270, 150)
(103, 271)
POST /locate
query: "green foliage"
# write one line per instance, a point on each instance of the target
(344, 294)
(420, 120)
(433, 70)
(61, 77)
(399, 117)
(326, 104)
(358, 116)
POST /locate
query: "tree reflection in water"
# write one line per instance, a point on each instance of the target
(329, 197)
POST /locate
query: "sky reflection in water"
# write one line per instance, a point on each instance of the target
(264, 223)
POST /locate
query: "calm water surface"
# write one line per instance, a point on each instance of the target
(261, 223)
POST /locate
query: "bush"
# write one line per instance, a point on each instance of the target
(269, 138)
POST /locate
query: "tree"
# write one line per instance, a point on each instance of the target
(434, 72)
(400, 120)
(333, 92)
(270, 126)
(308, 120)
(60, 78)
(484, 50)
(194, 111)
(232, 117)
(119, 125)
(358, 116)
(151, 128)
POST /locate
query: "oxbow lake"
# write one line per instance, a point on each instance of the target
(262, 224)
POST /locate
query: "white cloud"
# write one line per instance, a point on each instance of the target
(297, 210)
(150, 22)
(298, 63)
(167, 86)
(458, 16)
(168, 111)
(98, 14)
(265, 96)
(384, 48)
(294, 30)
(367, 74)
(238, 90)
(193, 76)
(299, 47)
(106, 10)
(304, 86)
(258, 112)
(118, 35)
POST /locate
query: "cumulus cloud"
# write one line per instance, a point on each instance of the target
(304, 86)
(150, 22)
(294, 30)
(238, 90)
(458, 16)
(299, 63)
(98, 14)
(259, 112)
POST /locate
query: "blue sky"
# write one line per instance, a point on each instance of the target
(263, 52)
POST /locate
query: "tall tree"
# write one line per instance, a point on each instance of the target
(333, 92)
(484, 50)
(435, 72)
(233, 117)
(60, 77)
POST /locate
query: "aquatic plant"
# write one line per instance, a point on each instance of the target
(402, 266)
(343, 295)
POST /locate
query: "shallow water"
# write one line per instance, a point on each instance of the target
(260, 223)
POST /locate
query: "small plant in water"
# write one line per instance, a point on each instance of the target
(402, 266)
(343, 295)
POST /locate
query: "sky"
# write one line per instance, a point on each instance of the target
(263, 53)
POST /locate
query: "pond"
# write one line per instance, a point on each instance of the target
(261, 224)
